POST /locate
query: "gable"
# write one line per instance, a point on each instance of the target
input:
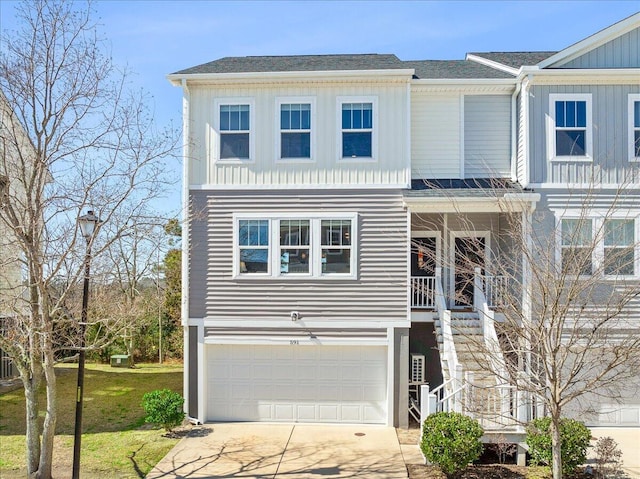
(621, 52)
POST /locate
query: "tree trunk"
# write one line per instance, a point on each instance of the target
(49, 427)
(556, 448)
(33, 428)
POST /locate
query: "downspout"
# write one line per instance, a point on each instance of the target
(514, 132)
(186, 219)
(527, 166)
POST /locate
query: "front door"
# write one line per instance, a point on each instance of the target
(469, 254)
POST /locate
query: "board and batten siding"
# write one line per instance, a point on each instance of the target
(435, 135)
(622, 52)
(378, 293)
(390, 124)
(610, 164)
(487, 136)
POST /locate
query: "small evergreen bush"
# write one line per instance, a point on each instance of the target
(574, 437)
(451, 440)
(163, 408)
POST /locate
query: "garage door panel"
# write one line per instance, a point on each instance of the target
(306, 383)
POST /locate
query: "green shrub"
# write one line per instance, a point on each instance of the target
(163, 408)
(451, 440)
(574, 438)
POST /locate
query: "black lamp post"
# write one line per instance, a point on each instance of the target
(87, 225)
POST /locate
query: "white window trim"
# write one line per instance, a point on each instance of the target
(215, 147)
(597, 234)
(551, 126)
(634, 97)
(278, 143)
(315, 247)
(374, 131)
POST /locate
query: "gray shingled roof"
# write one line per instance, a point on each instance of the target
(298, 63)
(515, 59)
(435, 69)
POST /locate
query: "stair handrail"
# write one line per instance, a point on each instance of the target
(489, 334)
(448, 346)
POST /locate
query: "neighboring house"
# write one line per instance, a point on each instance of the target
(332, 198)
(10, 266)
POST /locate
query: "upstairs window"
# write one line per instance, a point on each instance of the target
(634, 127)
(577, 246)
(570, 134)
(357, 130)
(235, 131)
(619, 247)
(295, 130)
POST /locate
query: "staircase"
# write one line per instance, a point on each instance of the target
(475, 379)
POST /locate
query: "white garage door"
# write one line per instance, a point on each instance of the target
(297, 383)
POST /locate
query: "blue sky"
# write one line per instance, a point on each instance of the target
(155, 38)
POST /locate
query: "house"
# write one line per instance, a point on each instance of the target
(11, 273)
(347, 216)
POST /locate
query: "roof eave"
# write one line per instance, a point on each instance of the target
(176, 78)
(492, 64)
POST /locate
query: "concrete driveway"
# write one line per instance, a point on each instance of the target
(292, 451)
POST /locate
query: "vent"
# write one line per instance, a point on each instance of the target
(417, 368)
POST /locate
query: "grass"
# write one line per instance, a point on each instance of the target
(115, 441)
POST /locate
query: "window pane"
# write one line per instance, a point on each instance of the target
(335, 232)
(560, 121)
(294, 232)
(581, 114)
(295, 145)
(367, 117)
(336, 261)
(570, 112)
(618, 232)
(234, 121)
(570, 143)
(306, 117)
(254, 260)
(576, 232)
(253, 232)
(285, 118)
(294, 260)
(356, 145)
(224, 118)
(295, 118)
(577, 261)
(619, 261)
(346, 117)
(234, 145)
(356, 117)
(636, 114)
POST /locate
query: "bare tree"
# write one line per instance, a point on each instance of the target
(74, 137)
(556, 294)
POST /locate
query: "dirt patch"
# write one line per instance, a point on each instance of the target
(472, 472)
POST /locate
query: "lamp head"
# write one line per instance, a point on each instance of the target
(88, 224)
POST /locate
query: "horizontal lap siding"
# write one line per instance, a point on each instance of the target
(379, 293)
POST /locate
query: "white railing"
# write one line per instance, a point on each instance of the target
(448, 347)
(495, 287)
(490, 340)
(423, 292)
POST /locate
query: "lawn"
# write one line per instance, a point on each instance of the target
(115, 443)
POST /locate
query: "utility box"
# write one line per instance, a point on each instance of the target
(120, 361)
